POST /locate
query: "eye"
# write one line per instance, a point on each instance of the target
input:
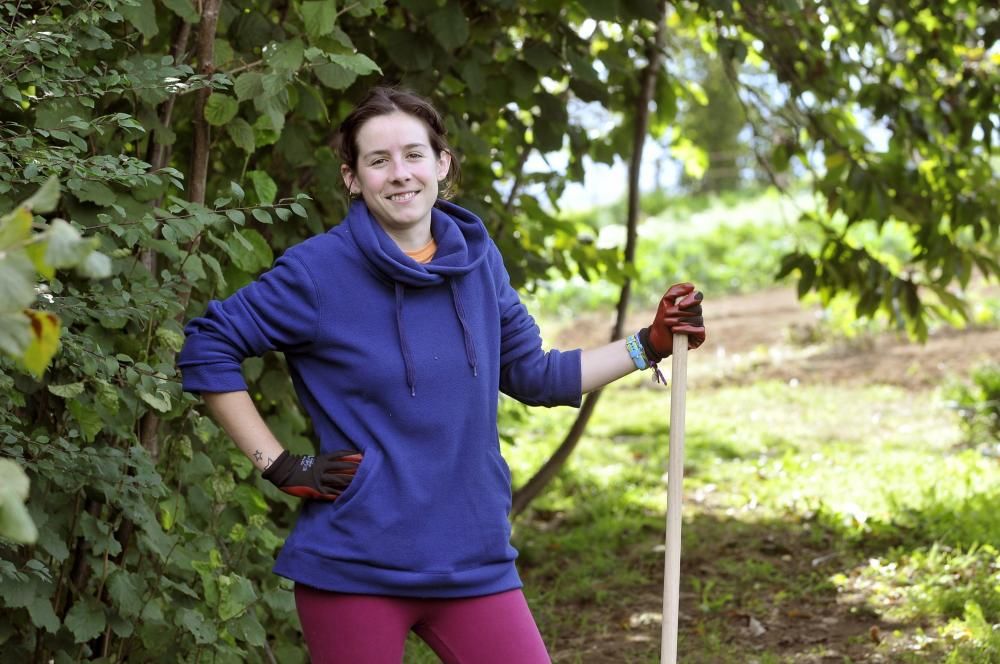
(377, 162)
(415, 155)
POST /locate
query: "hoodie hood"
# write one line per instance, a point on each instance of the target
(462, 245)
(461, 237)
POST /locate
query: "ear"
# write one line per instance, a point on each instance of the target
(443, 165)
(349, 179)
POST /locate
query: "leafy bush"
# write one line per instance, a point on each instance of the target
(977, 402)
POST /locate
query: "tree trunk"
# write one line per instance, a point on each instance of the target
(534, 486)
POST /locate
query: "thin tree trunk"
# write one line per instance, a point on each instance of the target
(534, 486)
(197, 183)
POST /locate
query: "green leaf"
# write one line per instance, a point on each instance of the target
(263, 186)
(67, 390)
(359, 63)
(319, 17)
(237, 191)
(87, 418)
(12, 92)
(85, 620)
(15, 227)
(236, 216)
(15, 333)
(46, 198)
(299, 210)
(195, 623)
(124, 593)
(247, 628)
(183, 8)
(242, 134)
(449, 26)
(17, 285)
(93, 191)
(15, 522)
(160, 400)
(334, 76)
(95, 266)
(248, 85)
(265, 132)
(286, 54)
(237, 594)
(262, 216)
(141, 15)
(66, 246)
(42, 615)
(220, 109)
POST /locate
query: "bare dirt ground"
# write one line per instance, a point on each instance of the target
(770, 336)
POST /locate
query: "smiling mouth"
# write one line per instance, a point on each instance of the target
(403, 197)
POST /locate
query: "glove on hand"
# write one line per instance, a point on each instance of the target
(679, 312)
(321, 477)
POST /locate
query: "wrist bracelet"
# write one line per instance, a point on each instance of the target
(641, 360)
(636, 353)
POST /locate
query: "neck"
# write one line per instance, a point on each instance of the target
(411, 239)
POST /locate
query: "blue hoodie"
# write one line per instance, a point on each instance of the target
(403, 362)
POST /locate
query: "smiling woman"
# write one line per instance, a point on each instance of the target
(405, 525)
(397, 175)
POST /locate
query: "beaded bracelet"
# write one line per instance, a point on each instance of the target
(636, 353)
(640, 359)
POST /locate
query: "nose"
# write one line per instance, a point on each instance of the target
(400, 172)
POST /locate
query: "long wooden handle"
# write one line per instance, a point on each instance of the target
(675, 481)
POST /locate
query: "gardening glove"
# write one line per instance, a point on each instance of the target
(320, 477)
(679, 312)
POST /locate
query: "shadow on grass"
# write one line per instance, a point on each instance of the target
(753, 587)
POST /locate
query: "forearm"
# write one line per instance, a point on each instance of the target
(237, 414)
(604, 364)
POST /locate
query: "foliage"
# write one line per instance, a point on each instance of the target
(724, 244)
(193, 143)
(977, 401)
(924, 78)
(32, 335)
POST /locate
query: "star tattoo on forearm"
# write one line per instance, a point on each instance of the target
(258, 456)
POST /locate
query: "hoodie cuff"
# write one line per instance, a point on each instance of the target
(212, 378)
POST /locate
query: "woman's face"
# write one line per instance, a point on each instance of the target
(397, 174)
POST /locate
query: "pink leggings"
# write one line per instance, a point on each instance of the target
(342, 628)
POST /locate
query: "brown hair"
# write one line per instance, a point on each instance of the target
(383, 100)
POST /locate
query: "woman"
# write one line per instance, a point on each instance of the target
(400, 327)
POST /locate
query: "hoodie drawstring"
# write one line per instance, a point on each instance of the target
(470, 348)
(411, 378)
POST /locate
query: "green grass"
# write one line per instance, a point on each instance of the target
(802, 503)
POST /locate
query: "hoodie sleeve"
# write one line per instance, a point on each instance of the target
(527, 372)
(278, 311)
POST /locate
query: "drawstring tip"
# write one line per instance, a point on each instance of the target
(475, 371)
(413, 391)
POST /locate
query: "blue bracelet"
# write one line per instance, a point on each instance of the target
(636, 353)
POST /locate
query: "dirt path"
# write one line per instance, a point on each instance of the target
(769, 335)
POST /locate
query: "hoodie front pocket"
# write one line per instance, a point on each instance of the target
(359, 483)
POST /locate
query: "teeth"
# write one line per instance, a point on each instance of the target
(403, 197)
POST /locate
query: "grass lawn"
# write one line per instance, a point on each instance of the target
(822, 523)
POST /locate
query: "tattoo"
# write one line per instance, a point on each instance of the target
(258, 456)
(269, 462)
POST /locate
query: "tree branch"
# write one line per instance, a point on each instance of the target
(534, 486)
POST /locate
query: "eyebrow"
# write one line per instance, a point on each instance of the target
(409, 146)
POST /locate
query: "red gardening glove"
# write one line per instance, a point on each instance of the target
(679, 313)
(320, 477)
